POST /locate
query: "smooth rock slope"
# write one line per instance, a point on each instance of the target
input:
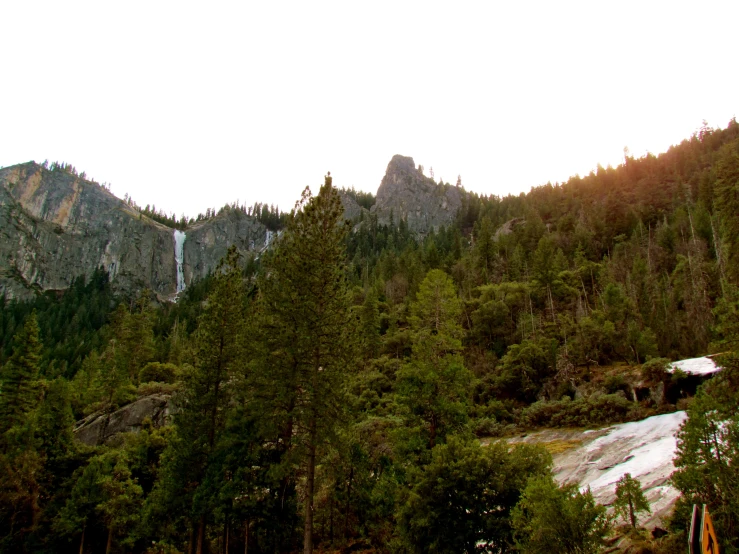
(599, 458)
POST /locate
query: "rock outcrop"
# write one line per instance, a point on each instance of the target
(597, 459)
(406, 193)
(102, 428)
(56, 226)
(207, 242)
(508, 227)
(352, 210)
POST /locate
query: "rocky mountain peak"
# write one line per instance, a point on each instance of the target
(407, 193)
(402, 174)
(57, 225)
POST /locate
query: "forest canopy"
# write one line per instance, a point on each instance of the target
(333, 394)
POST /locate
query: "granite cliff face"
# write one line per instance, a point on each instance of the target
(55, 226)
(409, 195)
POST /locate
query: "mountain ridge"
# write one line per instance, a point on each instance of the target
(59, 225)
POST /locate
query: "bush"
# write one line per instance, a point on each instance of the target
(487, 427)
(158, 372)
(595, 410)
(551, 519)
(152, 387)
(655, 370)
(615, 383)
(124, 395)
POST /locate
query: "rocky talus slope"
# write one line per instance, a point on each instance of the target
(55, 226)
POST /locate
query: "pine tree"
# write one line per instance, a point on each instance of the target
(139, 335)
(727, 203)
(18, 394)
(433, 385)
(306, 325)
(630, 499)
(706, 465)
(485, 249)
(104, 490)
(134, 336)
(370, 324)
(205, 402)
(552, 519)
(54, 424)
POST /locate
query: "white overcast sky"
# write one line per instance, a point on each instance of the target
(191, 105)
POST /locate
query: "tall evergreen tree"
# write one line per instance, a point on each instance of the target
(218, 362)
(369, 317)
(18, 394)
(727, 203)
(433, 385)
(307, 327)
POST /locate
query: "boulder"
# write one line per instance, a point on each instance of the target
(101, 428)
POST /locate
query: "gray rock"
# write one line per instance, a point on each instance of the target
(352, 210)
(207, 242)
(55, 226)
(409, 195)
(508, 227)
(657, 393)
(102, 428)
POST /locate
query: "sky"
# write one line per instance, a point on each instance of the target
(188, 105)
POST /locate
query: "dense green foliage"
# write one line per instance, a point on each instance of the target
(558, 519)
(329, 395)
(461, 501)
(69, 325)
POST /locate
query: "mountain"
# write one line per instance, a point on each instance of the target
(406, 193)
(544, 323)
(56, 226)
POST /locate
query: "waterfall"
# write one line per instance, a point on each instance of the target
(179, 255)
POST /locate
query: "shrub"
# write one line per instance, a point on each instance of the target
(487, 427)
(557, 519)
(158, 372)
(655, 370)
(595, 410)
(615, 383)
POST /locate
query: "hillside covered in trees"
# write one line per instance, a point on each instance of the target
(331, 395)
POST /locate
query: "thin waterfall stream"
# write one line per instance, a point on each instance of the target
(179, 255)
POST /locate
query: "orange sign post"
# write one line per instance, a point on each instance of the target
(709, 540)
(702, 538)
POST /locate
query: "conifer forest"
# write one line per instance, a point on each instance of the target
(359, 387)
